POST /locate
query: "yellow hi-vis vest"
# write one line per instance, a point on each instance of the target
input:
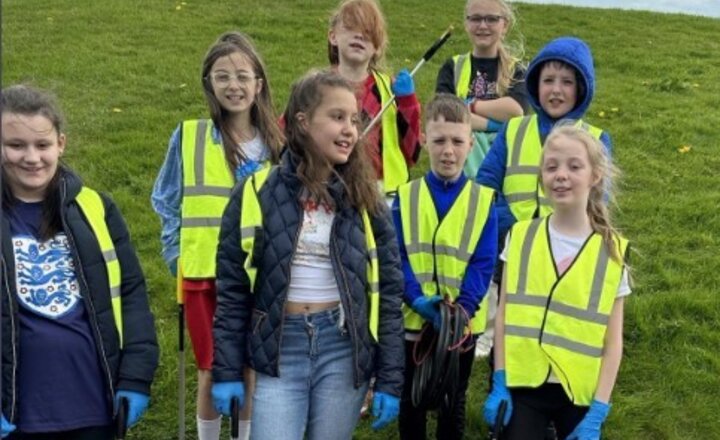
(557, 322)
(251, 220)
(439, 252)
(521, 187)
(395, 170)
(461, 71)
(207, 182)
(93, 208)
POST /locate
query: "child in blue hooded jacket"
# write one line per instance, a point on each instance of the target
(560, 83)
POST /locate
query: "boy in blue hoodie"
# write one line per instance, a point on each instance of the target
(560, 83)
(447, 232)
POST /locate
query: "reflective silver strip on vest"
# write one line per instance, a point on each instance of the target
(425, 277)
(514, 170)
(563, 309)
(458, 71)
(519, 139)
(598, 279)
(522, 331)
(463, 252)
(247, 232)
(525, 256)
(109, 255)
(574, 346)
(203, 190)
(372, 253)
(375, 286)
(414, 212)
(201, 222)
(449, 281)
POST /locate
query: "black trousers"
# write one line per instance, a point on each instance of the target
(92, 433)
(450, 421)
(535, 408)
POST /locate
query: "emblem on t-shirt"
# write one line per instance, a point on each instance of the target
(45, 274)
(482, 88)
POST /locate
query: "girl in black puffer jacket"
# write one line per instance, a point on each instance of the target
(299, 296)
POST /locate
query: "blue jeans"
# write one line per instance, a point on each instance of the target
(314, 394)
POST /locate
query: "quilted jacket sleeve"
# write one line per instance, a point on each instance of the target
(390, 355)
(234, 298)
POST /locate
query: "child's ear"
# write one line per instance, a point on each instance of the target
(331, 37)
(423, 138)
(301, 117)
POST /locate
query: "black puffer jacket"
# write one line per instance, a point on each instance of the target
(247, 326)
(131, 368)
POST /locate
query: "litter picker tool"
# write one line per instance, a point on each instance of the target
(425, 58)
(234, 418)
(497, 431)
(181, 354)
(121, 419)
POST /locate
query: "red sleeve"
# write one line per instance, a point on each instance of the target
(408, 122)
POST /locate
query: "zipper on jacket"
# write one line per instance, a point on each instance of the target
(287, 287)
(345, 303)
(81, 276)
(13, 343)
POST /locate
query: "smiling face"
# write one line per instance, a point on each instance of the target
(567, 173)
(354, 47)
(486, 26)
(448, 144)
(333, 125)
(557, 89)
(31, 149)
(234, 82)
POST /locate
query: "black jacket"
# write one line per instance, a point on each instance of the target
(247, 328)
(131, 368)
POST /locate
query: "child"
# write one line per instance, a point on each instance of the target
(490, 78)
(78, 335)
(299, 294)
(560, 83)
(357, 40)
(558, 339)
(204, 160)
(444, 212)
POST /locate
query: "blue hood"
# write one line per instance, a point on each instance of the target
(574, 52)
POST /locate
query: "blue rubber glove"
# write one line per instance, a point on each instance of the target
(589, 426)
(223, 393)
(403, 85)
(137, 405)
(493, 125)
(497, 395)
(426, 306)
(5, 427)
(385, 409)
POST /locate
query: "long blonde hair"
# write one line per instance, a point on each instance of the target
(510, 50)
(601, 194)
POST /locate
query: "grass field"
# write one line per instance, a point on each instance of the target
(126, 72)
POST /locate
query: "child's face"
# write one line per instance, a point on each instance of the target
(235, 83)
(567, 174)
(486, 26)
(354, 47)
(557, 89)
(333, 126)
(448, 144)
(31, 149)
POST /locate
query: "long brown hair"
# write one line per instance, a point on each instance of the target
(262, 112)
(366, 17)
(28, 101)
(606, 173)
(356, 175)
(510, 52)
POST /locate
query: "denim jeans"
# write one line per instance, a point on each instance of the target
(314, 394)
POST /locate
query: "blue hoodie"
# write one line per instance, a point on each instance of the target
(569, 50)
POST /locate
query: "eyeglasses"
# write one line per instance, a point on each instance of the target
(491, 20)
(222, 79)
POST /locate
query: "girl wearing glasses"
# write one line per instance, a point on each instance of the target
(205, 158)
(490, 80)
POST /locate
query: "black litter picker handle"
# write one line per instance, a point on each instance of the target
(234, 418)
(496, 433)
(121, 419)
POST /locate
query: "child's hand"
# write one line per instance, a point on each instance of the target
(403, 85)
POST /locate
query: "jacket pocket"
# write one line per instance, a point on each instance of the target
(258, 316)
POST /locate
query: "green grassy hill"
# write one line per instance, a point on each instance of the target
(126, 72)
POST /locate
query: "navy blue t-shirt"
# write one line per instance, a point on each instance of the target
(61, 384)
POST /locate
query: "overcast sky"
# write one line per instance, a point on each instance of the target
(710, 8)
